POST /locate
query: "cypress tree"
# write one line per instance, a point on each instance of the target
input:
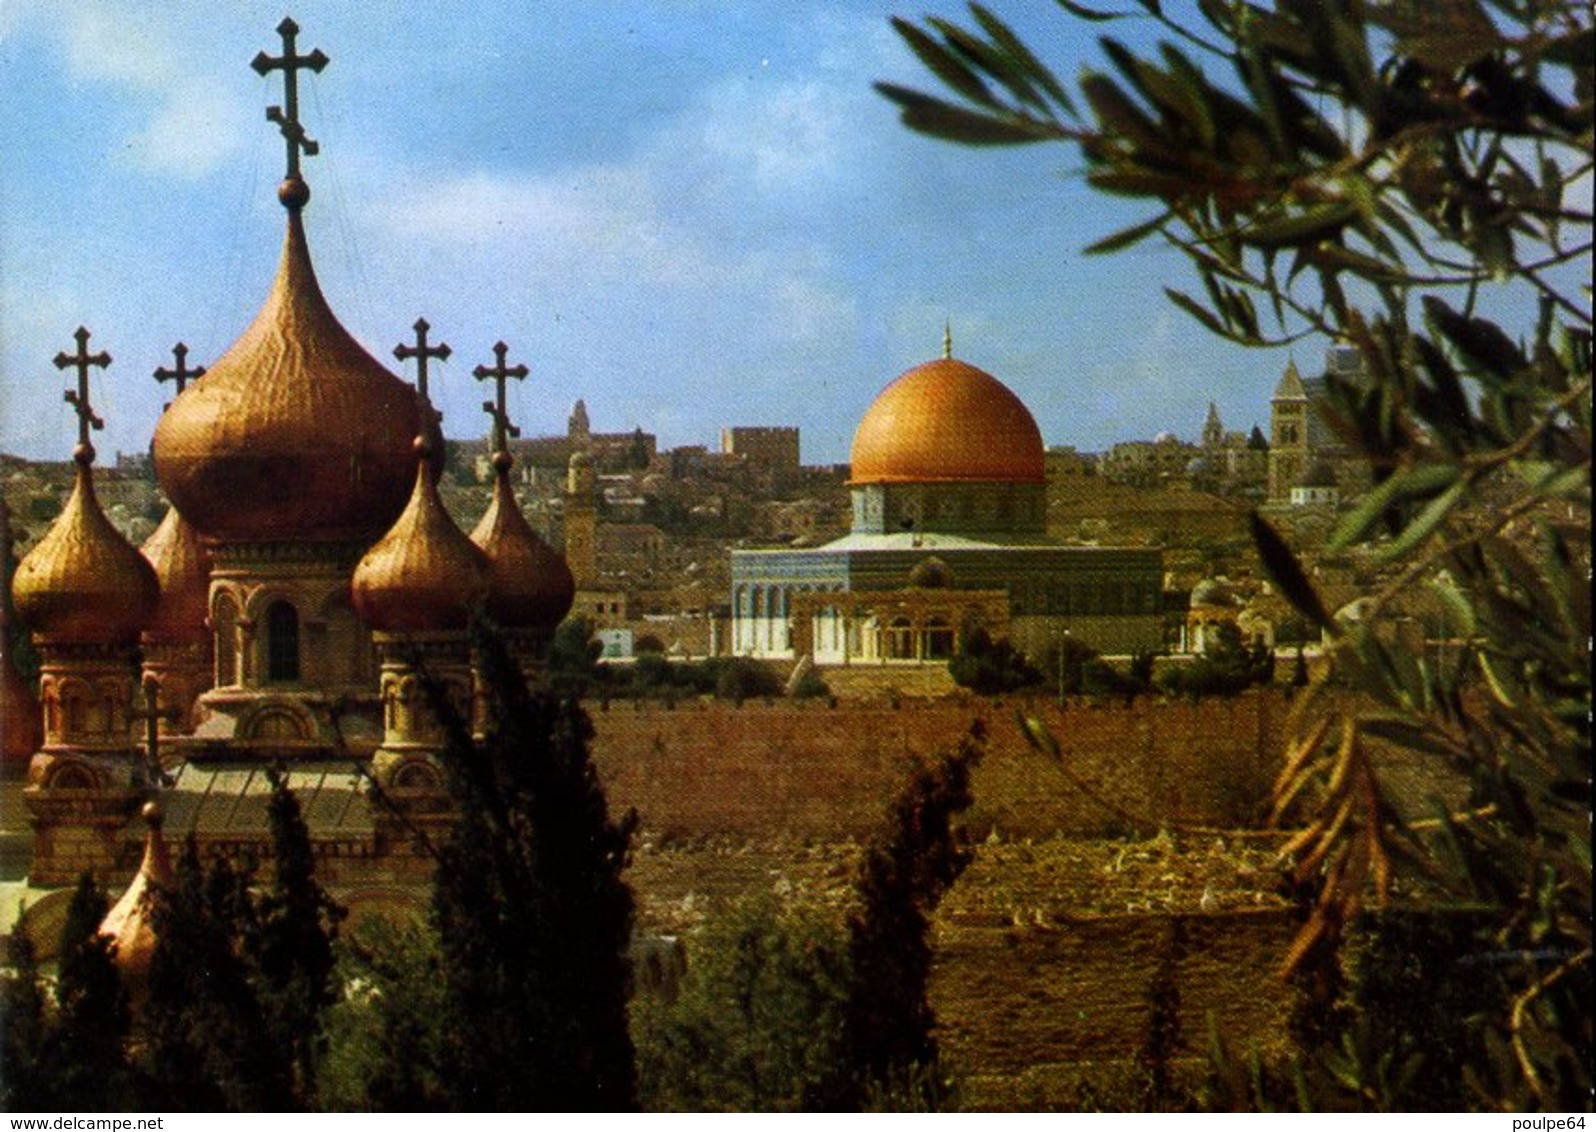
(85, 1048)
(532, 915)
(292, 946)
(24, 1086)
(890, 1048)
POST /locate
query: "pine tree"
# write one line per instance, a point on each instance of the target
(890, 1048)
(532, 915)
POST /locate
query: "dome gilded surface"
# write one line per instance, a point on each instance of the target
(296, 432)
(947, 421)
(182, 567)
(424, 575)
(131, 921)
(83, 583)
(529, 584)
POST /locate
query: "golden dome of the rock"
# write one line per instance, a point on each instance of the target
(947, 421)
(182, 567)
(83, 583)
(529, 584)
(424, 575)
(296, 431)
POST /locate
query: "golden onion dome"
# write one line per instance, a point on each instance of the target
(947, 421)
(296, 431)
(131, 921)
(183, 569)
(83, 583)
(529, 584)
(423, 575)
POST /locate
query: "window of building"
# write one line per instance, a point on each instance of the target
(282, 642)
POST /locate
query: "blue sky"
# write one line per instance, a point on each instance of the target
(690, 214)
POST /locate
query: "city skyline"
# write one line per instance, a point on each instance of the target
(689, 218)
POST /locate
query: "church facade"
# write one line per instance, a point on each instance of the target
(305, 584)
(948, 536)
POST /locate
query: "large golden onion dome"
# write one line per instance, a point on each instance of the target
(296, 431)
(529, 584)
(183, 569)
(947, 421)
(83, 583)
(424, 575)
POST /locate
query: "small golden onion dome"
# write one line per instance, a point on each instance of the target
(131, 921)
(183, 569)
(529, 584)
(83, 583)
(947, 421)
(296, 431)
(424, 575)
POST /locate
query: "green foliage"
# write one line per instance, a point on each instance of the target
(292, 945)
(85, 1047)
(990, 667)
(384, 1050)
(890, 1050)
(25, 1083)
(1385, 175)
(758, 1023)
(532, 916)
(573, 657)
(206, 1044)
(1227, 668)
(811, 685)
(738, 678)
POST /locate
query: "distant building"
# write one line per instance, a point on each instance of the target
(773, 447)
(948, 537)
(1302, 440)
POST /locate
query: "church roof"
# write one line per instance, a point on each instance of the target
(947, 421)
(296, 431)
(1290, 387)
(424, 574)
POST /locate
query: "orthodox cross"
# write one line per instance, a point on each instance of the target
(79, 398)
(421, 352)
(180, 374)
(290, 63)
(502, 428)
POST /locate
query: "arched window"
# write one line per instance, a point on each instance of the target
(900, 639)
(938, 639)
(282, 642)
(224, 624)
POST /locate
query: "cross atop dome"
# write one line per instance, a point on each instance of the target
(947, 339)
(422, 352)
(502, 428)
(293, 192)
(179, 374)
(79, 398)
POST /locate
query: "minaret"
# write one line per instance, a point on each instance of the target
(84, 594)
(1213, 430)
(577, 429)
